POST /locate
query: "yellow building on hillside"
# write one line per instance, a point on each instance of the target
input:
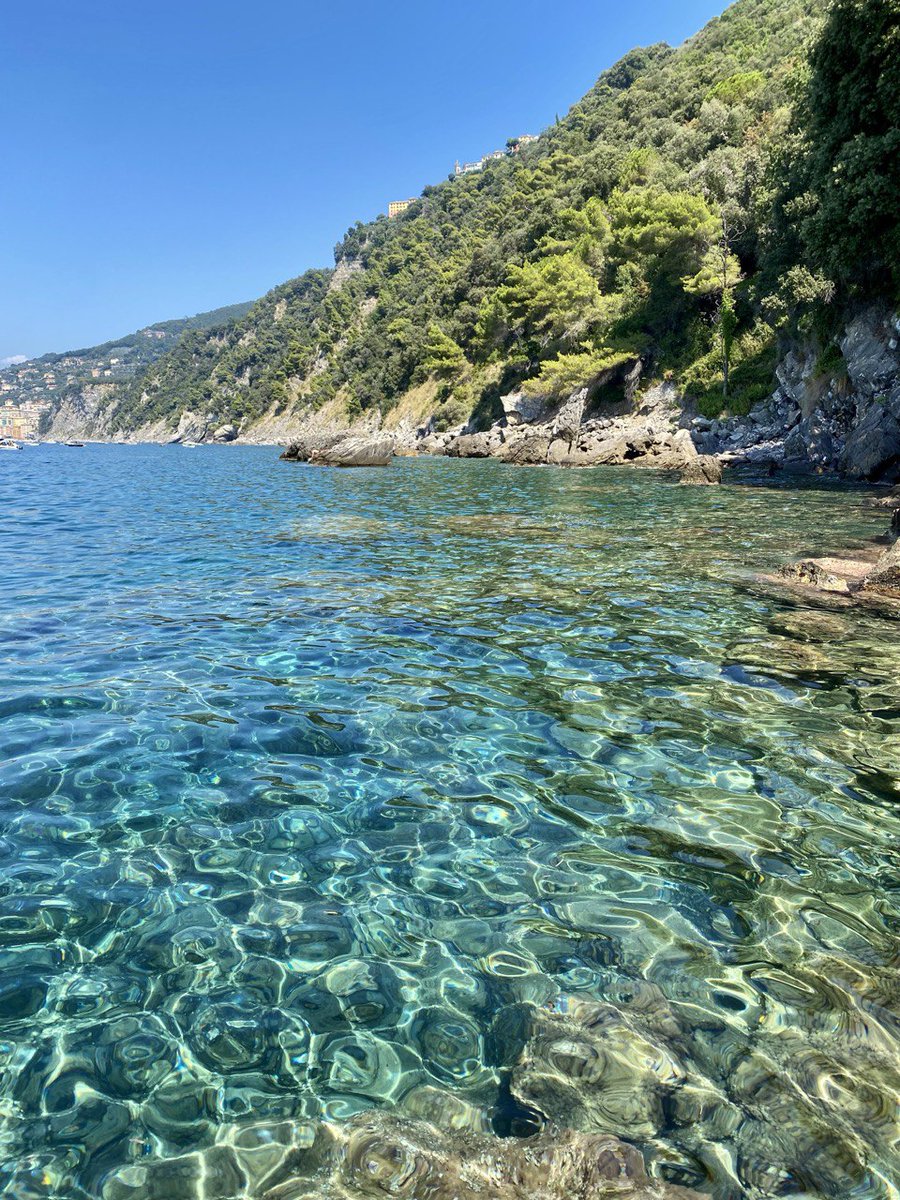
(396, 207)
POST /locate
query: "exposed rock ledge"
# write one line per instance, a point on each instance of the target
(533, 433)
(339, 450)
(870, 578)
(846, 422)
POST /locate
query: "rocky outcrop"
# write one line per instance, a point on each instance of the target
(81, 413)
(519, 409)
(529, 447)
(869, 578)
(826, 574)
(470, 445)
(703, 469)
(225, 433)
(355, 452)
(842, 417)
(301, 449)
(192, 427)
(831, 413)
(872, 449)
(645, 432)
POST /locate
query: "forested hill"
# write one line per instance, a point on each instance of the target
(50, 378)
(697, 205)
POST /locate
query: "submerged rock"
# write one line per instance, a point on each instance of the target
(380, 1154)
(826, 574)
(599, 1068)
(857, 580)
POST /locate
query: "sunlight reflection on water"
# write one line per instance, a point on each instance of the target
(453, 788)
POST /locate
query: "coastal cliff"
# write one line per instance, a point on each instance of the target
(707, 242)
(841, 417)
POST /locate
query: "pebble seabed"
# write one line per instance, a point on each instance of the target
(450, 830)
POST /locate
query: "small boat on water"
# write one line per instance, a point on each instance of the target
(73, 443)
(9, 444)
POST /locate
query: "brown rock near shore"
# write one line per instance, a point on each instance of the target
(865, 579)
(885, 575)
(704, 469)
(826, 574)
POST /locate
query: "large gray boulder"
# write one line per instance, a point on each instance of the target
(435, 443)
(528, 448)
(610, 451)
(225, 433)
(301, 449)
(373, 451)
(683, 445)
(704, 469)
(474, 445)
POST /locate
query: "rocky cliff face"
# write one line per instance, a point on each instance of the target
(81, 413)
(86, 414)
(843, 418)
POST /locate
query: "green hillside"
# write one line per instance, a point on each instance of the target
(50, 378)
(694, 206)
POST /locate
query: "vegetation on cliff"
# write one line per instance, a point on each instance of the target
(54, 378)
(695, 205)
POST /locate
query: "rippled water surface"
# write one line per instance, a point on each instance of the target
(494, 797)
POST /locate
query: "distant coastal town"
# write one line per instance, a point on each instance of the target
(22, 422)
(28, 389)
(31, 389)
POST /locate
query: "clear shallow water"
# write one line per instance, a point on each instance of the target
(471, 791)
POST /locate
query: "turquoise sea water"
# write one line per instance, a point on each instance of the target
(328, 790)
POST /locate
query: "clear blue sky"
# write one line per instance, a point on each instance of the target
(163, 157)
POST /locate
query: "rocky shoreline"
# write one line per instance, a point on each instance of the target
(650, 433)
(822, 418)
(868, 578)
(835, 410)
